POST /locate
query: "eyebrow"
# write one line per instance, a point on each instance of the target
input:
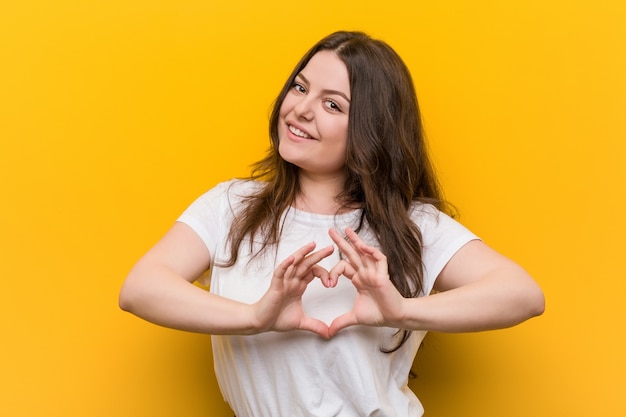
(326, 91)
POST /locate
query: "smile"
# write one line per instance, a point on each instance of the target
(298, 132)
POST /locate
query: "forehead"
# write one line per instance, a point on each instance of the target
(327, 71)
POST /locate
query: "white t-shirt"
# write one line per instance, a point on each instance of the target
(299, 373)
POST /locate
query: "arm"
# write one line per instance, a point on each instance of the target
(159, 289)
(478, 289)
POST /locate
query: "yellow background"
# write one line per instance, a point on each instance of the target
(115, 115)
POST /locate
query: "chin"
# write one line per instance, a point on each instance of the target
(286, 155)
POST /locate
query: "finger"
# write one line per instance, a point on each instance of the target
(353, 237)
(341, 322)
(303, 268)
(282, 268)
(359, 244)
(302, 253)
(342, 268)
(375, 259)
(373, 256)
(340, 240)
(316, 257)
(346, 247)
(322, 274)
(372, 251)
(316, 326)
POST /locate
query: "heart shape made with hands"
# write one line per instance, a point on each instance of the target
(365, 296)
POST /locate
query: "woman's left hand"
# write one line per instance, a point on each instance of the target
(378, 302)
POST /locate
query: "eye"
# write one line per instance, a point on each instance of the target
(332, 105)
(299, 87)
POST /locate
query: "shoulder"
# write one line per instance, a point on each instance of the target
(425, 215)
(242, 187)
(234, 190)
(441, 238)
(434, 223)
(222, 199)
(211, 213)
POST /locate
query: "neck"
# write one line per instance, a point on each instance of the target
(319, 194)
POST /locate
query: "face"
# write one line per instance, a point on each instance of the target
(313, 122)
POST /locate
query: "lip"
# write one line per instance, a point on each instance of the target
(295, 137)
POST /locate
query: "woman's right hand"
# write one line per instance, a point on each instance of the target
(280, 309)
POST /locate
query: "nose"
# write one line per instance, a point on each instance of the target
(304, 107)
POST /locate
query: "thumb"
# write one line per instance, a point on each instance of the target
(341, 322)
(316, 326)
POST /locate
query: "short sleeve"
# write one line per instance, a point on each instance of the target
(442, 237)
(207, 214)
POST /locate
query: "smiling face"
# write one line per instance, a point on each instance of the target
(313, 119)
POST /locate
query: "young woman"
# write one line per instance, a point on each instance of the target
(329, 265)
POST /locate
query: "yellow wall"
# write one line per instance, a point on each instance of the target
(115, 115)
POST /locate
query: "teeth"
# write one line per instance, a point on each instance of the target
(298, 132)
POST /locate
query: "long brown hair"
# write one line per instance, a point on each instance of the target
(387, 165)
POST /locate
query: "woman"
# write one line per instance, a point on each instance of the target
(333, 331)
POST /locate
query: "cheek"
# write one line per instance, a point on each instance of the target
(342, 133)
(283, 111)
(286, 106)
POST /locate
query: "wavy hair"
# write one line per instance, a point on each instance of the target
(387, 164)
